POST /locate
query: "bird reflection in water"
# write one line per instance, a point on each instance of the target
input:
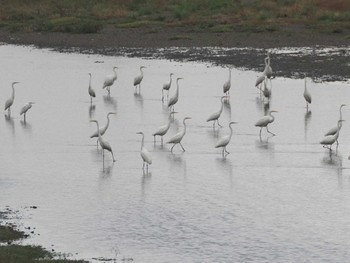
(334, 161)
(107, 170)
(145, 182)
(10, 122)
(26, 126)
(110, 102)
(226, 165)
(262, 105)
(307, 120)
(138, 99)
(264, 144)
(92, 109)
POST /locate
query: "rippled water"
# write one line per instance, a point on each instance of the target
(274, 199)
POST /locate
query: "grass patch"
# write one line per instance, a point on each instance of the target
(180, 37)
(8, 234)
(142, 23)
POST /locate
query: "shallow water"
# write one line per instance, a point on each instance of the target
(280, 198)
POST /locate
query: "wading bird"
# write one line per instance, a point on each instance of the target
(227, 84)
(25, 108)
(266, 91)
(109, 80)
(224, 141)
(173, 100)
(335, 129)
(103, 130)
(9, 102)
(329, 140)
(216, 115)
(176, 139)
(104, 144)
(259, 80)
(138, 79)
(145, 154)
(268, 70)
(90, 90)
(264, 122)
(166, 87)
(162, 130)
(307, 95)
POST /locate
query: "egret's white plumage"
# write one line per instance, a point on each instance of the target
(167, 86)
(145, 154)
(216, 115)
(268, 70)
(224, 141)
(104, 144)
(333, 130)
(176, 139)
(173, 100)
(138, 79)
(162, 130)
(90, 90)
(10, 101)
(266, 91)
(329, 140)
(109, 80)
(259, 80)
(265, 121)
(227, 84)
(25, 108)
(102, 130)
(307, 95)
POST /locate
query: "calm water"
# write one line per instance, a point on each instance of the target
(274, 199)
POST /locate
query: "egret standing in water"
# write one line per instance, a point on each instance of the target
(9, 102)
(162, 130)
(109, 80)
(173, 100)
(176, 139)
(25, 108)
(307, 95)
(227, 84)
(166, 87)
(138, 79)
(224, 141)
(268, 70)
(265, 121)
(104, 144)
(335, 129)
(90, 90)
(216, 115)
(145, 154)
(103, 130)
(329, 140)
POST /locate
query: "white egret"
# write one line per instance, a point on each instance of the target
(167, 86)
(176, 139)
(329, 140)
(173, 100)
(227, 84)
(307, 95)
(25, 108)
(162, 130)
(264, 121)
(268, 70)
(9, 102)
(104, 144)
(109, 80)
(138, 79)
(145, 154)
(216, 115)
(259, 80)
(224, 141)
(90, 90)
(102, 130)
(266, 91)
(334, 129)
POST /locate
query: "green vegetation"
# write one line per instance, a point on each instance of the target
(90, 16)
(11, 253)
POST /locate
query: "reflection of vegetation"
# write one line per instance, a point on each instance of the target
(89, 16)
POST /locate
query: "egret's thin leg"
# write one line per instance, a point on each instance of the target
(173, 147)
(218, 123)
(260, 131)
(269, 131)
(113, 156)
(161, 140)
(227, 151)
(182, 147)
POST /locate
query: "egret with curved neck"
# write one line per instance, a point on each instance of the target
(102, 130)
(177, 138)
(227, 84)
(334, 129)
(109, 80)
(25, 108)
(162, 130)
(328, 141)
(145, 154)
(104, 144)
(9, 102)
(307, 95)
(216, 115)
(173, 100)
(225, 140)
(138, 79)
(166, 87)
(265, 121)
(90, 90)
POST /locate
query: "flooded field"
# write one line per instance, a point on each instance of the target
(280, 198)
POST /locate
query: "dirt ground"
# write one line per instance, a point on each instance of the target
(237, 49)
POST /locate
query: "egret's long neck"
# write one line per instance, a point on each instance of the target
(143, 140)
(13, 92)
(141, 72)
(229, 74)
(184, 130)
(98, 130)
(115, 73)
(170, 79)
(340, 115)
(90, 81)
(231, 130)
(222, 105)
(177, 88)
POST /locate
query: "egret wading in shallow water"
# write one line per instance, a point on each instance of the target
(173, 100)
(104, 144)
(138, 79)
(176, 139)
(265, 121)
(268, 70)
(109, 80)
(166, 87)
(329, 140)
(216, 115)
(266, 91)
(335, 129)
(227, 84)
(162, 130)
(145, 154)
(103, 130)
(90, 90)
(9, 102)
(25, 108)
(307, 95)
(224, 141)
